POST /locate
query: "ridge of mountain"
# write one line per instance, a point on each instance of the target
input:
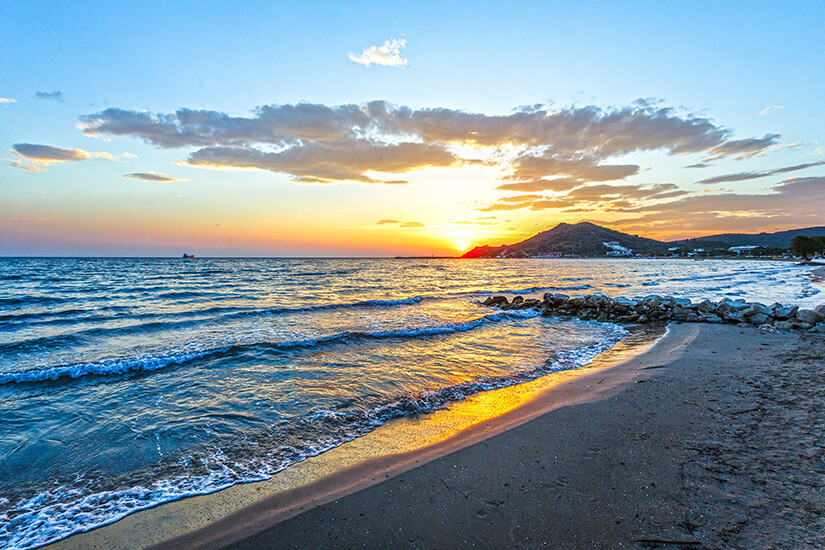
(588, 239)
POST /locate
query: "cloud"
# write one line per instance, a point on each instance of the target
(388, 54)
(767, 110)
(50, 96)
(555, 184)
(153, 176)
(7, 100)
(535, 149)
(590, 197)
(36, 158)
(404, 225)
(795, 202)
(743, 176)
(745, 148)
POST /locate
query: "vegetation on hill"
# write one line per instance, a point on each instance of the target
(588, 240)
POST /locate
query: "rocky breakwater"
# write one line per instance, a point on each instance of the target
(664, 309)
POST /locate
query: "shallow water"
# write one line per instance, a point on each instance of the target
(129, 382)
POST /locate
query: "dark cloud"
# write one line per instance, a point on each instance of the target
(590, 197)
(153, 176)
(36, 158)
(405, 225)
(743, 176)
(795, 202)
(745, 148)
(325, 162)
(320, 144)
(556, 184)
(50, 96)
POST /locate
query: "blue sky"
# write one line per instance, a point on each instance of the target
(726, 62)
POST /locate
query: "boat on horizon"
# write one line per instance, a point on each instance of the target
(189, 256)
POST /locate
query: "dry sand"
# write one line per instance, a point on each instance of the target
(723, 447)
(714, 438)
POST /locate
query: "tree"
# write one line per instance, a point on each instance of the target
(804, 246)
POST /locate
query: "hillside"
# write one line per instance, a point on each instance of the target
(586, 239)
(581, 239)
(780, 239)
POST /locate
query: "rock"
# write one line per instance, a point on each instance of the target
(532, 302)
(757, 309)
(706, 306)
(809, 316)
(625, 303)
(820, 309)
(517, 300)
(759, 319)
(785, 325)
(684, 302)
(820, 328)
(732, 316)
(710, 318)
(782, 313)
(496, 300)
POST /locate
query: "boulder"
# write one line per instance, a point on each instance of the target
(759, 319)
(785, 325)
(809, 316)
(757, 309)
(710, 318)
(782, 313)
(706, 306)
(532, 302)
(820, 309)
(517, 300)
(627, 303)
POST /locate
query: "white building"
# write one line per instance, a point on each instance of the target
(617, 250)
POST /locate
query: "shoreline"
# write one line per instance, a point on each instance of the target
(397, 446)
(716, 442)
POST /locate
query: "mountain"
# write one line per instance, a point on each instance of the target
(781, 239)
(587, 239)
(581, 239)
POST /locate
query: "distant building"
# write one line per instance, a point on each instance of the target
(741, 249)
(617, 250)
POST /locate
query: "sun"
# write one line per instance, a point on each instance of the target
(462, 239)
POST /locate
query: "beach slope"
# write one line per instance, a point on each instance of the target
(721, 446)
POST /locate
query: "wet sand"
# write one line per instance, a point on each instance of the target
(713, 438)
(721, 446)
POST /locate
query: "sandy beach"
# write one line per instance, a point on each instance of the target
(713, 438)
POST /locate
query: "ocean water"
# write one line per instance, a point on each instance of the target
(125, 383)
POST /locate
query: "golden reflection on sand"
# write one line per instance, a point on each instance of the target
(397, 437)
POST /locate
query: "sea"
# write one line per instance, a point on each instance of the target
(127, 383)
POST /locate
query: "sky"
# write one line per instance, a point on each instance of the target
(402, 128)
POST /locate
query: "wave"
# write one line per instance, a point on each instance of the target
(62, 511)
(119, 366)
(30, 300)
(529, 290)
(208, 315)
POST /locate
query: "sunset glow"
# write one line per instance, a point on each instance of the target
(264, 159)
